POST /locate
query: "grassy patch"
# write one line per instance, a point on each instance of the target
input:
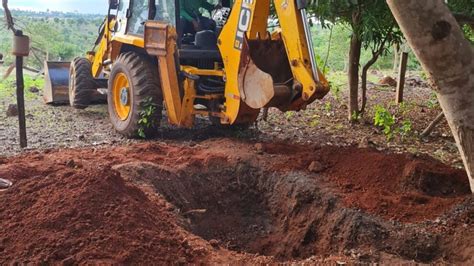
(8, 87)
(338, 78)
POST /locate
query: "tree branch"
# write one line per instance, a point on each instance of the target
(8, 16)
(432, 125)
(375, 56)
(328, 51)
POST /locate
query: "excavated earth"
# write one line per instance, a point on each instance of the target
(227, 201)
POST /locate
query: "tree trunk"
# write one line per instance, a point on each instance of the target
(438, 42)
(401, 77)
(328, 51)
(8, 16)
(353, 75)
(363, 86)
(365, 69)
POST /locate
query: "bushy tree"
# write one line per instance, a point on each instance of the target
(373, 27)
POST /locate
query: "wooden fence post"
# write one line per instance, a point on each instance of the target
(401, 77)
(21, 48)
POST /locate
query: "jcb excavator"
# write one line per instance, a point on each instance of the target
(228, 74)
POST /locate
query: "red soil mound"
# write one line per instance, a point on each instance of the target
(401, 187)
(91, 213)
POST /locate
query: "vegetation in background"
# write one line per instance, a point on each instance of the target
(67, 35)
(372, 27)
(463, 11)
(469, 33)
(364, 31)
(7, 87)
(63, 35)
(339, 52)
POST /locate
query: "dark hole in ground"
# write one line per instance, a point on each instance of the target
(221, 205)
(288, 216)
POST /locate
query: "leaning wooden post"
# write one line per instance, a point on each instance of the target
(401, 77)
(21, 48)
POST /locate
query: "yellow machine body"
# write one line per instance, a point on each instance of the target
(259, 69)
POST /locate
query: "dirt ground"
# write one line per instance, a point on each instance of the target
(303, 187)
(227, 200)
(323, 122)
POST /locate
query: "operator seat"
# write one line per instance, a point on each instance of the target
(203, 44)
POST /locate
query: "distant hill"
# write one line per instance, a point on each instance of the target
(64, 35)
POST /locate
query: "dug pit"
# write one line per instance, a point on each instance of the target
(287, 215)
(224, 201)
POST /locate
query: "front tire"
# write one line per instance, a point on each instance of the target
(81, 83)
(133, 87)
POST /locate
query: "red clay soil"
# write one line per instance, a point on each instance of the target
(73, 206)
(86, 213)
(400, 187)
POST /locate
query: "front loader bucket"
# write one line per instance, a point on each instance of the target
(56, 85)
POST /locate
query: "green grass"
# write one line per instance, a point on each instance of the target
(337, 78)
(8, 87)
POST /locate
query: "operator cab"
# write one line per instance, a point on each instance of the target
(132, 16)
(200, 49)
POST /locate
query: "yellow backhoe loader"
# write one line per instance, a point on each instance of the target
(228, 73)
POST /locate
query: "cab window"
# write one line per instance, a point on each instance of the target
(165, 11)
(140, 10)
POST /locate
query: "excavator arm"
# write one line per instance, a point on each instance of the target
(300, 49)
(98, 57)
(264, 70)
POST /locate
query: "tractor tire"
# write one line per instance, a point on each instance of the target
(81, 83)
(134, 86)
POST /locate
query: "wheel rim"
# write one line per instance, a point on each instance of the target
(121, 96)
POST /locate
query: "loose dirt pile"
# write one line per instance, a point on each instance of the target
(228, 201)
(401, 187)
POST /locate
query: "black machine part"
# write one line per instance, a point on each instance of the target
(206, 40)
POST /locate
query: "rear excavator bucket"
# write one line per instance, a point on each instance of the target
(265, 75)
(267, 80)
(56, 86)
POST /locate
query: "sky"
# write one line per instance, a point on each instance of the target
(82, 6)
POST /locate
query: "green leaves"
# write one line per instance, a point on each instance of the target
(469, 33)
(388, 122)
(383, 118)
(146, 117)
(465, 7)
(405, 129)
(371, 20)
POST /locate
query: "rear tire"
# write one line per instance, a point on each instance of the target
(81, 83)
(134, 84)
